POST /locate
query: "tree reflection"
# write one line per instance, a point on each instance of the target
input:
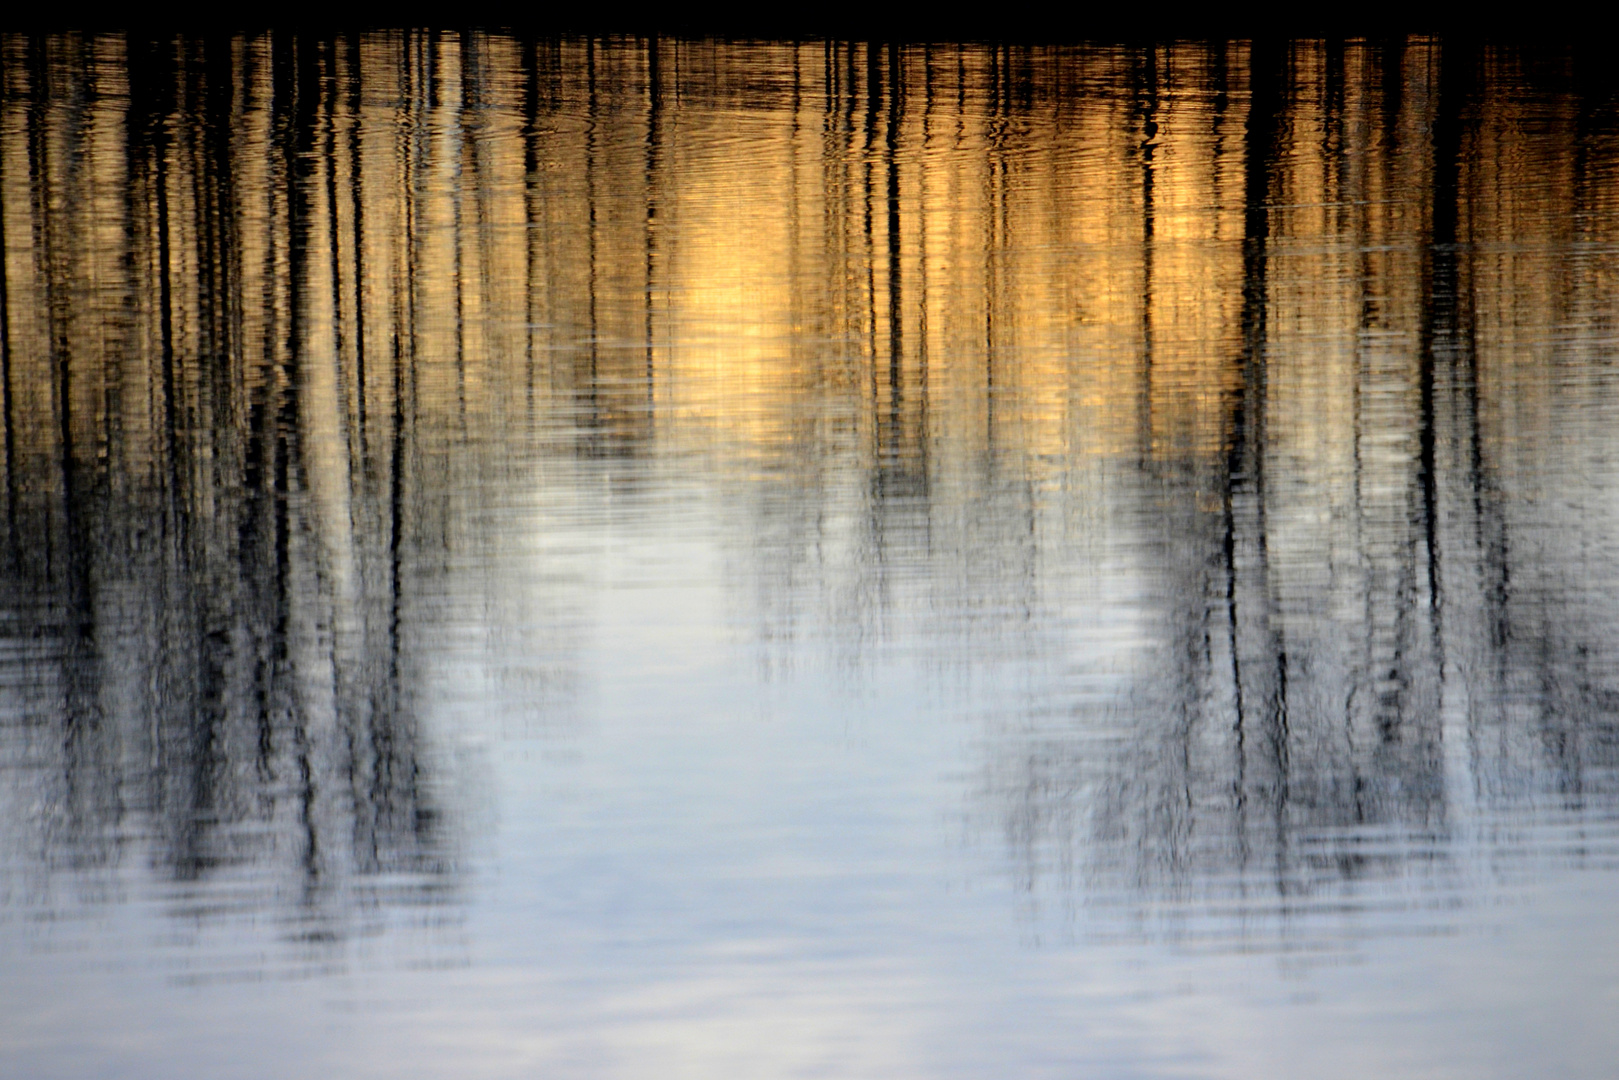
(214, 555)
(1361, 644)
(1272, 354)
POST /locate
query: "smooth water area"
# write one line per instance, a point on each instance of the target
(668, 558)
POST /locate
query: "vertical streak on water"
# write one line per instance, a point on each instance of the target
(869, 320)
(654, 106)
(994, 206)
(593, 211)
(302, 85)
(924, 258)
(1443, 347)
(1252, 649)
(393, 764)
(7, 417)
(896, 458)
(1438, 316)
(451, 120)
(362, 291)
(67, 551)
(1144, 64)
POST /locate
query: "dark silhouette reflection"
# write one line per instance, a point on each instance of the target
(221, 507)
(1250, 404)
(1378, 631)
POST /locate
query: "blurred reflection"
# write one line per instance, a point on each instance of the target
(220, 501)
(1251, 402)
(1381, 613)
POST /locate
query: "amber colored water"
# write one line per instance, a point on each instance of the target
(655, 558)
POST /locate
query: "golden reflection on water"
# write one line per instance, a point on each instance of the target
(1305, 351)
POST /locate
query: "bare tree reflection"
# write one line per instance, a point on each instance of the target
(1270, 354)
(218, 522)
(1328, 623)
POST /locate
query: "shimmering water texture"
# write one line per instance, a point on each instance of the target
(660, 559)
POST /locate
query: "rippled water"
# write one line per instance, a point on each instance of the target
(655, 558)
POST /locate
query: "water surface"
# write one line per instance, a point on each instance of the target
(670, 558)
